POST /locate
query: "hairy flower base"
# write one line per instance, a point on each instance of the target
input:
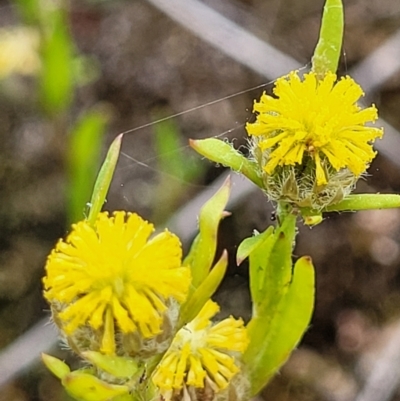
(318, 120)
(202, 355)
(111, 278)
(297, 184)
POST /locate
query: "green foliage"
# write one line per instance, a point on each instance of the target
(103, 180)
(202, 252)
(271, 268)
(249, 245)
(327, 52)
(204, 291)
(117, 366)
(56, 78)
(56, 82)
(57, 367)
(86, 387)
(351, 203)
(205, 279)
(367, 202)
(85, 145)
(273, 341)
(282, 294)
(275, 288)
(221, 152)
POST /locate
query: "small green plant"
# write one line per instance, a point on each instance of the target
(140, 315)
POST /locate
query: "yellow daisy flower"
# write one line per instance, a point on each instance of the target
(315, 118)
(202, 354)
(111, 276)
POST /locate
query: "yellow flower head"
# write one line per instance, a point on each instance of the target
(202, 354)
(112, 277)
(318, 120)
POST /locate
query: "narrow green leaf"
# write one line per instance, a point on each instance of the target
(56, 82)
(83, 159)
(356, 202)
(276, 277)
(117, 366)
(270, 277)
(56, 366)
(271, 268)
(204, 291)
(104, 179)
(202, 252)
(366, 202)
(327, 52)
(221, 152)
(259, 263)
(249, 245)
(86, 387)
(277, 338)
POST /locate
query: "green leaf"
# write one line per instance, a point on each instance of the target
(56, 81)
(271, 268)
(117, 366)
(83, 159)
(56, 366)
(259, 263)
(327, 52)
(86, 387)
(366, 202)
(221, 152)
(356, 202)
(104, 178)
(204, 291)
(249, 245)
(202, 252)
(270, 279)
(277, 338)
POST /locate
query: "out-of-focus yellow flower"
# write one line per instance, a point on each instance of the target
(111, 276)
(317, 119)
(202, 354)
(19, 51)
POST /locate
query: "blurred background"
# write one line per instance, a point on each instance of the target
(74, 74)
